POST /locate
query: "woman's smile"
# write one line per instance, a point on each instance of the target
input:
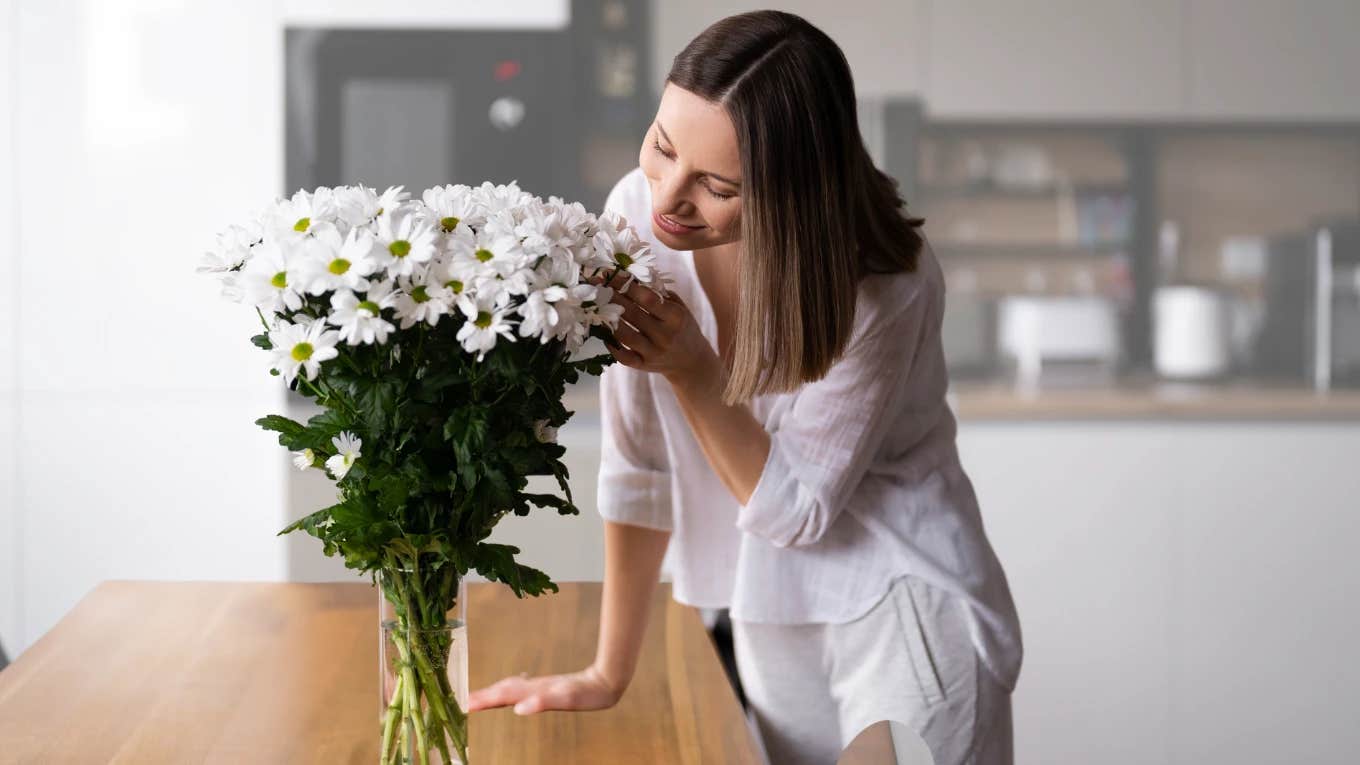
(672, 226)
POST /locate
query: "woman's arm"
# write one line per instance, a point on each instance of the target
(632, 567)
(791, 482)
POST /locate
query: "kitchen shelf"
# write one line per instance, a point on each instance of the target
(1102, 250)
(939, 192)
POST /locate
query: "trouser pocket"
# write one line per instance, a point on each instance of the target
(913, 611)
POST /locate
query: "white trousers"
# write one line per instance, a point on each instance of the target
(814, 687)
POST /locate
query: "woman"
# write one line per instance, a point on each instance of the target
(777, 428)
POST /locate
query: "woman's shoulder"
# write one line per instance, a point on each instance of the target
(902, 297)
(631, 198)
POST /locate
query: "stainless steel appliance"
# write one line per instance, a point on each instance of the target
(1311, 328)
(561, 109)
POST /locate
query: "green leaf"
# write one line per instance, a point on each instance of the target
(564, 507)
(309, 523)
(497, 563)
(291, 433)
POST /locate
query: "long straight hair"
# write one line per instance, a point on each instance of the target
(816, 215)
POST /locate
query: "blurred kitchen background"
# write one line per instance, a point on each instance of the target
(1148, 213)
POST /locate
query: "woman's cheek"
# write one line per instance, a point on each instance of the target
(647, 161)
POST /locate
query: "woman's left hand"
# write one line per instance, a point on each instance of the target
(664, 337)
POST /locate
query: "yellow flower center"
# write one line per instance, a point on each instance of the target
(484, 255)
(302, 351)
(449, 223)
(370, 306)
(339, 266)
(623, 259)
(280, 280)
(420, 295)
(302, 224)
(400, 248)
(483, 319)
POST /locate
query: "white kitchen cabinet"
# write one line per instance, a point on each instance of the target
(1263, 616)
(1091, 574)
(1185, 589)
(1054, 59)
(1273, 59)
(882, 39)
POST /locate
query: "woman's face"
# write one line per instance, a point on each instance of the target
(691, 160)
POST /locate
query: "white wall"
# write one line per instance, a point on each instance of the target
(143, 128)
(9, 315)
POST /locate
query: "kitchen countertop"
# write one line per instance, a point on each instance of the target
(1153, 401)
(272, 672)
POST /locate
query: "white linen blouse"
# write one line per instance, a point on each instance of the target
(862, 484)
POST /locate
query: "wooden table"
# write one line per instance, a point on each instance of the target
(179, 672)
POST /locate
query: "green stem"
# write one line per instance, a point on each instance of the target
(416, 647)
(413, 714)
(389, 723)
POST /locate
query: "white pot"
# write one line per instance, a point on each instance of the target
(1192, 333)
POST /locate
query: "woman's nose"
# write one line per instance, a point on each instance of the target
(670, 194)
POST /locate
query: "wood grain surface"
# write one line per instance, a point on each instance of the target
(189, 672)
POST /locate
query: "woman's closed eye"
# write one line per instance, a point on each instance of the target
(711, 191)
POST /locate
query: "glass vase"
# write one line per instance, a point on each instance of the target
(423, 664)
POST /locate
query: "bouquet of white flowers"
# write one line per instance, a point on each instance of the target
(438, 335)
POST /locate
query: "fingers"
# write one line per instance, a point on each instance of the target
(503, 693)
(626, 357)
(554, 694)
(626, 285)
(637, 341)
(531, 695)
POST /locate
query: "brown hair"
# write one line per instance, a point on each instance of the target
(816, 215)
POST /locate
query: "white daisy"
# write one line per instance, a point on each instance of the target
(302, 347)
(540, 317)
(359, 205)
(233, 250)
(296, 216)
(347, 447)
(544, 432)
(597, 300)
(620, 246)
(453, 207)
(360, 319)
(305, 459)
(495, 198)
(267, 280)
(404, 241)
(421, 298)
(485, 324)
(333, 263)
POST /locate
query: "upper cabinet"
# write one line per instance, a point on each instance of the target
(882, 39)
(1100, 59)
(1273, 59)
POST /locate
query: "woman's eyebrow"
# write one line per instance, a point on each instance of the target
(724, 179)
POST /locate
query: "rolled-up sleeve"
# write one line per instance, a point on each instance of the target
(635, 479)
(823, 445)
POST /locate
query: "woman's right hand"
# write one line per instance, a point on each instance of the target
(580, 691)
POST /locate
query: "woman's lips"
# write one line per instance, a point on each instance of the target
(671, 226)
